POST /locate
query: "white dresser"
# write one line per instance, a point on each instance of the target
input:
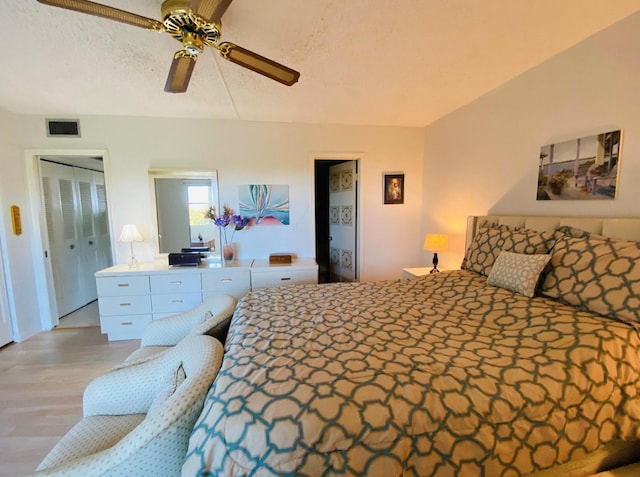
(129, 298)
(301, 271)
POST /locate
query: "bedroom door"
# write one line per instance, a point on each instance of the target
(342, 221)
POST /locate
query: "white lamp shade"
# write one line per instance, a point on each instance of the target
(436, 243)
(130, 234)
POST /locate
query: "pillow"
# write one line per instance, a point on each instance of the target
(578, 233)
(489, 241)
(518, 272)
(597, 274)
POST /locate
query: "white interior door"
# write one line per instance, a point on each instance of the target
(61, 205)
(92, 228)
(101, 222)
(76, 218)
(342, 221)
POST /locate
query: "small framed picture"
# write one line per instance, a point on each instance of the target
(393, 191)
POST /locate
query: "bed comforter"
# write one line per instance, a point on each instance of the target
(439, 375)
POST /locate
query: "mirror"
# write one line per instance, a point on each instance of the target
(181, 199)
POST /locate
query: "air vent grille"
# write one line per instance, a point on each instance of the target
(63, 127)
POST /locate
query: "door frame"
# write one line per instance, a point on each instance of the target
(7, 307)
(337, 156)
(43, 274)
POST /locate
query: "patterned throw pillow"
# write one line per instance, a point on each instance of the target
(518, 272)
(489, 241)
(578, 233)
(597, 274)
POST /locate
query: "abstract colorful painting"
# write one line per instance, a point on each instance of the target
(265, 204)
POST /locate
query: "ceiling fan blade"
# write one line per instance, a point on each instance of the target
(211, 10)
(180, 72)
(99, 10)
(255, 62)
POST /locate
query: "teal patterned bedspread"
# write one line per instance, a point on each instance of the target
(435, 376)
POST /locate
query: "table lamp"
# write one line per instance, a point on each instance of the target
(435, 243)
(129, 235)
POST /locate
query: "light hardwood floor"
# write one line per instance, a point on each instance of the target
(41, 384)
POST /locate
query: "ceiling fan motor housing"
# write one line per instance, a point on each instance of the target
(187, 27)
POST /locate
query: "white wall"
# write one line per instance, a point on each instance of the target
(243, 153)
(484, 157)
(18, 262)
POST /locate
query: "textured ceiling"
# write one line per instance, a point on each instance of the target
(375, 62)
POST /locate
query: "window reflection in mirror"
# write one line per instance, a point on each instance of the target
(201, 230)
(181, 200)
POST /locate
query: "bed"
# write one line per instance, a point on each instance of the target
(525, 361)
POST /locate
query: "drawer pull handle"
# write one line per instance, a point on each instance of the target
(226, 280)
(126, 323)
(121, 285)
(125, 304)
(176, 301)
(178, 282)
(285, 278)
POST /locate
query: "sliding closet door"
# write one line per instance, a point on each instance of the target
(77, 227)
(101, 222)
(95, 243)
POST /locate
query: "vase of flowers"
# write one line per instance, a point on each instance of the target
(228, 219)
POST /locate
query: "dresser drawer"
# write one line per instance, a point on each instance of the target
(236, 292)
(175, 283)
(280, 277)
(124, 305)
(175, 302)
(126, 327)
(226, 281)
(118, 286)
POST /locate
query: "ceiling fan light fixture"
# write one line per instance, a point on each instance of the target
(255, 62)
(192, 42)
(180, 72)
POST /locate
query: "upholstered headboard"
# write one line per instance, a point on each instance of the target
(621, 228)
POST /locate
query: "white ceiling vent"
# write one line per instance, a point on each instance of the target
(63, 128)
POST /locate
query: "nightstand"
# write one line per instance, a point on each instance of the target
(415, 272)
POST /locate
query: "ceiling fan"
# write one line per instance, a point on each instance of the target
(196, 24)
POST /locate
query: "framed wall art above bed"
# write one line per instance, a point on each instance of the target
(580, 169)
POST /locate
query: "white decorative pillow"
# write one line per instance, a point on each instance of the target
(518, 272)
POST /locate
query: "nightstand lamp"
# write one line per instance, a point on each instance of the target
(436, 243)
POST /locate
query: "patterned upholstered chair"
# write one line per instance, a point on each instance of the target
(211, 318)
(138, 419)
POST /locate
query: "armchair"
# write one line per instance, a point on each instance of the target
(211, 318)
(138, 419)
